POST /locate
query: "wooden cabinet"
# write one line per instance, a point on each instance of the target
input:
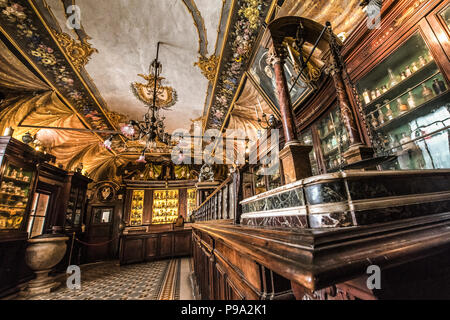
(18, 179)
(224, 273)
(154, 246)
(389, 68)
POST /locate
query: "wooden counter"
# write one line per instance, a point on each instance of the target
(155, 245)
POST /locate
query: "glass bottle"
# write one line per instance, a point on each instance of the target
(403, 76)
(366, 96)
(422, 61)
(408, 71)
(414, 67)
(385, 89)
(411, 101)
(392, 80)
(374, 121)
(427, 93)
(389, 114)
(436, 87)
(442, 85)
(378, 92)
(381, 118)
(401, 106)
(373, 94)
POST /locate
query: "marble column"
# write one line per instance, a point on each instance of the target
(294, 157)
(358, 150)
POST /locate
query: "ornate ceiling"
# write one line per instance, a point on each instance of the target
(125, 33)
(82, 78)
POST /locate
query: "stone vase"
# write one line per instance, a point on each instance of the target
(42, 254)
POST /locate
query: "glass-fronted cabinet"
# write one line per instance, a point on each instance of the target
(407, 107)
(165, 206)
(75, 207)
(137, 208)
(307, 139)
(191, 201)
(15, 192)
(446, 16)
(333, 138)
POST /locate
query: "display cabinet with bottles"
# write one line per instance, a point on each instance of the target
(137, 208)
(18, 175)
(306, 138)
(406, 102)
(333, 139)
(165, 206)
(15, 192)
(77, 185)
(191, 201)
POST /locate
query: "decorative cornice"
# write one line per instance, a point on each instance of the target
(79, 52)
(199, 23)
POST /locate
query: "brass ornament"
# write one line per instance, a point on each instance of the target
(208, 66)
(79, 52)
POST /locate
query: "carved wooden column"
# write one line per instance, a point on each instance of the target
(357, 151)
(294, 156)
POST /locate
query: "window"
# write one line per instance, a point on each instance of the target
(38, 214)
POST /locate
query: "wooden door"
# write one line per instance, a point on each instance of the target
(100, 234)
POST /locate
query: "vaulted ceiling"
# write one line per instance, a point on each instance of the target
(126, 32)
(58, 90)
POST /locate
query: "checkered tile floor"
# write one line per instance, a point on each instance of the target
(109, 281)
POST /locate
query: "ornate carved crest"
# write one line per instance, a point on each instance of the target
(79, 52)
(208, 66)
(166, 96)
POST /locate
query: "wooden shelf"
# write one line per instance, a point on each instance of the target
(421, 109)
(403, 86)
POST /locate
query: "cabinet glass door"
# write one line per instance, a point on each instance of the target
(165, 206)
(137, 208)
(15, 191)
(446, 16)
(406, 102)
(334, 139)
(307, 139)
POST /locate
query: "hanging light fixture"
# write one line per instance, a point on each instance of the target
(155, 96)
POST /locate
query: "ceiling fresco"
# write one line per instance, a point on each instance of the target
(125, 33)
(82, 78)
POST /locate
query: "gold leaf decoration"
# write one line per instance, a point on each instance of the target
(79, 52)
(208, 66)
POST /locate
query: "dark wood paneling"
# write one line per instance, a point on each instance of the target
(153, 246)
(166, 248)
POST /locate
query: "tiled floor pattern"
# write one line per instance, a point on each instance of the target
(109, 281)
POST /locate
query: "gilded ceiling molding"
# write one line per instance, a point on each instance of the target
(199, 23)
(25, 28)
(244, 24)
(79, 52)
(208, 66)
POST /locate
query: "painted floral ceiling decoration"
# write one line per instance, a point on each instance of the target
(243, 34)
(19, 20)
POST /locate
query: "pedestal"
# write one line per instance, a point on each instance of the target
(357, 153)
(295, 161)
(43, 284)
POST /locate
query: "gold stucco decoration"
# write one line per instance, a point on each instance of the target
(208, 66)
(79, 52)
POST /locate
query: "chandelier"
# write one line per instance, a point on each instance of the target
(156, 97)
